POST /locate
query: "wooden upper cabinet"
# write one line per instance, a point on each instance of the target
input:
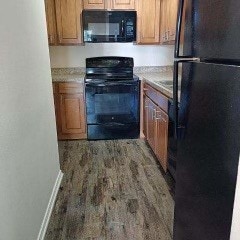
(51, 21)
(164, 21)
(149, 22)
(173, 10)
(168, 21)
(69, 21)
(94, 4)
(123, 4)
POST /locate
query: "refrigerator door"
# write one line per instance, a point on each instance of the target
(208, 154)
(210, 29)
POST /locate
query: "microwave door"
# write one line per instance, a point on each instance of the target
(96, 27)
(116, 27)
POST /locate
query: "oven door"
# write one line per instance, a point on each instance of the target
(112, 110)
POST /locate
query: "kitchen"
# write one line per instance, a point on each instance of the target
(140, 107)
(90, 105)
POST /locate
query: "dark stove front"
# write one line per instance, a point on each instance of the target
(113, 110)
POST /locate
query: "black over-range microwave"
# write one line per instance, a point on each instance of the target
(109, 26)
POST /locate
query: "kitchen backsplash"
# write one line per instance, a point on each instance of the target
(63, 71)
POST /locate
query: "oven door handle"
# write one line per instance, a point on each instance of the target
(110, 84)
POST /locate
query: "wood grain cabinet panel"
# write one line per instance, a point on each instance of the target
(149, 22)
(161, 137)
(94, 4)
(123, 4)
(145, 116)
(173, 10)
(168, 21)
(70, 110)
(164, 21)
(51, 21)
(72, 113)
(155, 127)
(151, 125)
(69, 21)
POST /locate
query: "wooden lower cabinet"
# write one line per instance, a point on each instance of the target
(151, 125)
(161, 143)
(155, 129)
(70, 111)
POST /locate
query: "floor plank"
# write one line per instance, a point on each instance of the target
(111, 190)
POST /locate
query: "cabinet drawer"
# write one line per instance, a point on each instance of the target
(156, 96)
(70, 88)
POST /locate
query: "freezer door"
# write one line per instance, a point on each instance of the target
(210, 29)
(208, 154)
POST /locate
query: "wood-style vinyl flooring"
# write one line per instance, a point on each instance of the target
(111, 190)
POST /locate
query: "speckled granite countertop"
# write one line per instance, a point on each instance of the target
(75, 77)
(160, 78)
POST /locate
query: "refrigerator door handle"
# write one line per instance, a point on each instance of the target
(175, 98)
(178, 29)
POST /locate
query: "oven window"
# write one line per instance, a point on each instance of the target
(112, 105)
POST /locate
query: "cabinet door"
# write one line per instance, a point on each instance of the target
(151, 132)
(69, 21)
(169, 10)
(123, 4)
(149, 21)
(164, 21)
(51, 21)
(173, 9)
(161, 137)
(72, 114)
(94, 4)
(145, 116)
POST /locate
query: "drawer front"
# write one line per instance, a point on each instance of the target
(157, 97)
(70, 88)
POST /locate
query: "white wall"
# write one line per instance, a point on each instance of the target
(74, 56)
(235, 232)
(28, 144)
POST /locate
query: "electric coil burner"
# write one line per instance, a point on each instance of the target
(112, 98)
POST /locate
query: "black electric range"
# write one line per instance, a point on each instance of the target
(112, 98)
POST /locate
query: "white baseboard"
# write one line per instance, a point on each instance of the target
(50, 206)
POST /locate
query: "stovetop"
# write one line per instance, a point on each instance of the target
(109, 69)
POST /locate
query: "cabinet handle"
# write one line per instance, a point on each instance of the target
(59, 37)
(160, 117)
(168, 33)
(154, 114)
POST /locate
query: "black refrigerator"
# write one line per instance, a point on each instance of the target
(207, 123)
